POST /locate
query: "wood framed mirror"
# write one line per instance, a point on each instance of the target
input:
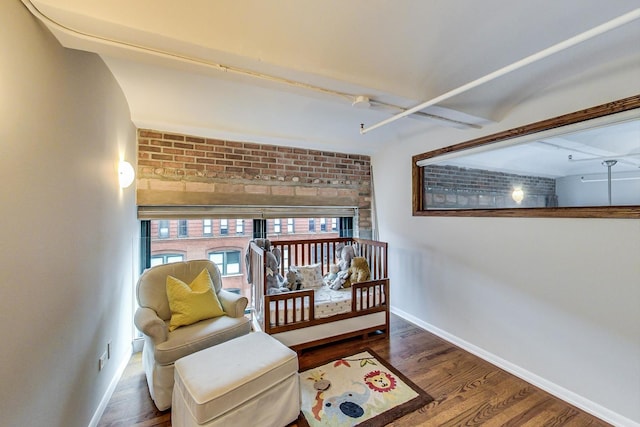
(584, 164)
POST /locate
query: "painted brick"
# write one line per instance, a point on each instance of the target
(194, 166)
(194, 153)
(229, 188)
(282, 190)
(327, 192)
(195, 139)
(203, 147)
(214, 168)
(306, 191)
(145, 133)
(175, 165)
(200, 187)
(173, 137)
(252, 171)
(256, 189)
(150, 149)
(215, 142)
(183, 145)
(162, 185)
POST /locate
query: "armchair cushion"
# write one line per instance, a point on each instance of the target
(193, 302)
(206, 333)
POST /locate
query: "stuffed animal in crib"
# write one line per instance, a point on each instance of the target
(333, 273)
(345, 254)
(358, 272)
(294, 280)
(276, 284)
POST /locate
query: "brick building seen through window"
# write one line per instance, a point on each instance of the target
(225, 241)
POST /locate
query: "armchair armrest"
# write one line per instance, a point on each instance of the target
(148, 322)
(232, 304)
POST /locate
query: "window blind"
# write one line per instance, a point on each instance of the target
(246, 212)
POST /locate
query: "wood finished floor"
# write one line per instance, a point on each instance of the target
(467, 390)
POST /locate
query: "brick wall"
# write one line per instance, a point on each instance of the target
(465, 188)
(175, 169)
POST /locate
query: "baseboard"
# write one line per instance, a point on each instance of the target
(138, 344)
(112, 387)
(560, 392)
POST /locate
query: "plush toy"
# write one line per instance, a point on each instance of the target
(294, 280)
(358, 272)
(333, 273)
(345, 254)
(276, 284)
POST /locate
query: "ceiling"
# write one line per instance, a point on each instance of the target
(288, 72)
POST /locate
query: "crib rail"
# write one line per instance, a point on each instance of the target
(367, 297)
(323, 251)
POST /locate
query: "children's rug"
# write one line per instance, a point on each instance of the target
(361, 389)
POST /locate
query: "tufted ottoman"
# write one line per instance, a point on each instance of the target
(247, 381)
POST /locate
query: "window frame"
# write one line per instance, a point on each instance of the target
(161, 227)
(224, 265)
(207, 223)
(183, 228)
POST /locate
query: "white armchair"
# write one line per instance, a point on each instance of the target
(161, 347)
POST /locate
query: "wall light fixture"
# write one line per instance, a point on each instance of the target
(517, 195)
(125, 174)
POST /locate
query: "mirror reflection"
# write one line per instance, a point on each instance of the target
(591, 163)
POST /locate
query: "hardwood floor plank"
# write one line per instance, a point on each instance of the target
(468, 391)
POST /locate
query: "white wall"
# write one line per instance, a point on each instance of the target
(69, 234)
(557, 300)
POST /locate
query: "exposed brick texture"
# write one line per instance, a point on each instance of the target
(249, 173)
(465, 188)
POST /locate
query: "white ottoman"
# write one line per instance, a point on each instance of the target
(251, 380)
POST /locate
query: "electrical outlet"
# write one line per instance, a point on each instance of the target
(102, 360)
(109, 349)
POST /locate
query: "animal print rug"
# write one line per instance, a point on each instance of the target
(360, 389)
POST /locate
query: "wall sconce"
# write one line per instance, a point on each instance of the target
(517, 195)
(125, 174)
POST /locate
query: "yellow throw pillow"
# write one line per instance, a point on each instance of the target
(193, 302)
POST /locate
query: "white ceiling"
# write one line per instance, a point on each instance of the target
(287, 72)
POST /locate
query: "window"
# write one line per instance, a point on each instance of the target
(165, 259)
(290, 228)
(163, 229)
(239, 226)
(227, 261)
(285, 258)
(334, 224)
(183, 230)
(276, 226)
(224, 227)
(323, 224)
(207, 227)
(312, 225)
